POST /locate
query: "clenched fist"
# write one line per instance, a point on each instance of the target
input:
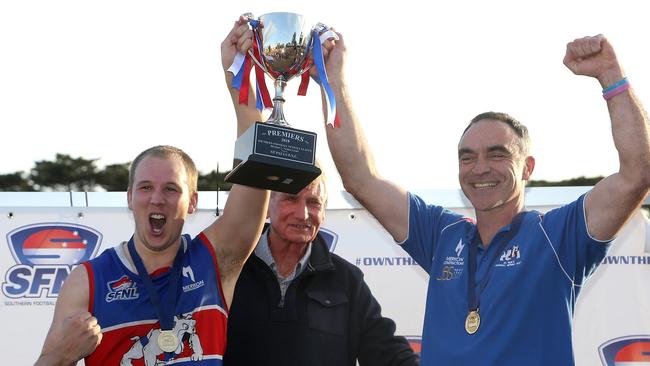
(81, 334)
(595, 57)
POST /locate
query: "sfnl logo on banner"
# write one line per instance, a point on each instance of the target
(626, 351)
(45, 254)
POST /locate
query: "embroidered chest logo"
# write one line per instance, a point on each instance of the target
(510, 257)
(122, 289)
(187, 272)
(453, 265)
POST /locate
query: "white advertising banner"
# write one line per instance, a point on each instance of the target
(612, 319)
(40, 245)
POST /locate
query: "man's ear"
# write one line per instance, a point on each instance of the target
(529, 166)
(129, 194)
(194, 201)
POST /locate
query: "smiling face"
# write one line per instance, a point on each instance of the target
(296, 218)
(160, 199)
(492, 166)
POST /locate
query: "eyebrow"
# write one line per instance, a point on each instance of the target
(465, 150)
(492, 148)
(151, 182)
(498, 148)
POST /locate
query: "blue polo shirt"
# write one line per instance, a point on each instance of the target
(526, 308)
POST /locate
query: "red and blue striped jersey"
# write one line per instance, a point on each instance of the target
(129, 322)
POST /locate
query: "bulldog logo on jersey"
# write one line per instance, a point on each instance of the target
(630, 350)
(147, 347)
(45, 254)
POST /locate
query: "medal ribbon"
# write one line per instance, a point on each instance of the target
(165, 310)
(473, 297)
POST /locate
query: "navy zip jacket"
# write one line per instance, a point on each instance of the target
(329, 317)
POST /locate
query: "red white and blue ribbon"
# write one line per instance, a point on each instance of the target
(322, 79)
(263, 99)
(304, 78)
(241, 68)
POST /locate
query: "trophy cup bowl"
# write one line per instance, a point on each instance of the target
(272, 155)
(286, 44)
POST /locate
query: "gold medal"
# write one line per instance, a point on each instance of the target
(472, 322)
(167, 341)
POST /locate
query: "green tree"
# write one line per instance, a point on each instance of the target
(114, 177)
(65, 173)
(214, 181)
(15, 182)
(580, 181)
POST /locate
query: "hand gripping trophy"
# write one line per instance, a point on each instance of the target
(273, 155)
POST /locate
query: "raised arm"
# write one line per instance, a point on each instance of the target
(353, 157)
(236, 232)
(613, 200)
(74, 332)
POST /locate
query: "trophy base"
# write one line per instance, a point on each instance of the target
(279, 158)
(274, 174)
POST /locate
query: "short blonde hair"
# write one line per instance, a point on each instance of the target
(166, 151)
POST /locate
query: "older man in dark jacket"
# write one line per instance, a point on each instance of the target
(296, 303)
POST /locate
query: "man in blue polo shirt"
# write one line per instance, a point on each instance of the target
(502, 289)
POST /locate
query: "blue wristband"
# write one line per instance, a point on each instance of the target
(612, 87)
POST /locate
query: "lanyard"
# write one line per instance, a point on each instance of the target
(473, 297)
(165, 310)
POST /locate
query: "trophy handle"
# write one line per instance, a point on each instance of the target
(319, 28)
(250, 16)
(258, 63)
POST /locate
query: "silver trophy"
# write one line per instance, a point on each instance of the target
(272, 155)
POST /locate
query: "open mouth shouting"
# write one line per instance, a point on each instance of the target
(157, 222)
